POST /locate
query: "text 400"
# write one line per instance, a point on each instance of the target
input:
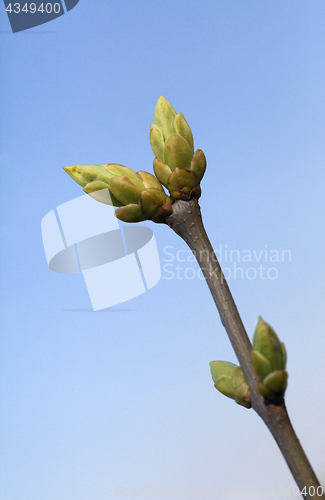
(312, 491)
(33, 8)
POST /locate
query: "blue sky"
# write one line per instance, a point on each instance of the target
(123, 396)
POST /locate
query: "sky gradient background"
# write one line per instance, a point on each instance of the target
(123, 397)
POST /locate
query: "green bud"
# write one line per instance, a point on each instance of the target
(157, 141)
(130, 213)
(177, 152)
(225, 386)
(198, 164)
(126, 189)
(230, 381)
(94, 186)
(151, 199)
(101, 192)
(172, 142)
(182, 177)
(139, 196)
(84, 174)
(115, 169)
(269, 361)
(241, 389)
(149, 181)
(261, 365)
(267, 343)
(276, 381)
(180, 184)
(238, 377)
(265, 392)
(243, 395)
(219, 368)
(183, 129)
(164, 211)
(164, 117)
(162, 171)
(95, 180)
(144, 192)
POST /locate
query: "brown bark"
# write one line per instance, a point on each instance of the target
(186, 221)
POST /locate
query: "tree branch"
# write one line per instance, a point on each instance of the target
(186, 221)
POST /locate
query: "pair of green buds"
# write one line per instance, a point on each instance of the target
(140, 195)
(269, 361)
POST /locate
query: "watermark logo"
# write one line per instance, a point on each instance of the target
(26, 15)
(118, 262)
(263, 263)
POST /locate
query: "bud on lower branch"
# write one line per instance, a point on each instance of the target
(230, 381)
(269, 361)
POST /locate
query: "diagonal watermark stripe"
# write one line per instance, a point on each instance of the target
(113, 272)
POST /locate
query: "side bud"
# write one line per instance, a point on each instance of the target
(149, 180)
(269, 361)
(115, 169)
(139, 195)
(95, 181)
(101, 192)
(84, 174)
(126, 189)
(241, 389)
(219, 368)
(144, 197)
(267, 343)
(230, 381)
(130, 213)
(151, 199)
(198, 164)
